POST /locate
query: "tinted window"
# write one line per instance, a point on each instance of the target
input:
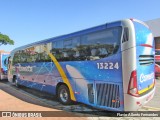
(16, 58)
(40, 55)
(32, 54)
(91, 46)
(66, 51)
(125, 35)
(100, 44)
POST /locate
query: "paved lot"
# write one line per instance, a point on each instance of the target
(12, 99)
(154, 104)
(23, 99)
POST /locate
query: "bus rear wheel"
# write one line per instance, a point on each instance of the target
(64, 95)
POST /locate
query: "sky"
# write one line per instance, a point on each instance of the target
(28, 21)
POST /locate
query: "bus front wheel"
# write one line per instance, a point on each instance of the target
(64, 95)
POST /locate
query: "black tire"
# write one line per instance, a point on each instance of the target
(64, 95)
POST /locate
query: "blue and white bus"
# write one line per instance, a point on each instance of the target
(110, 66)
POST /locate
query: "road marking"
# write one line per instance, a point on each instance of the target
(153, 108)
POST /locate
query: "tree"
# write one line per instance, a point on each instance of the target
(4, 40)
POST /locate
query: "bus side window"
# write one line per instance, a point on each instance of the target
(103, 51)
(68, 52)
(57, 50)
(125, 35)
(16, 57)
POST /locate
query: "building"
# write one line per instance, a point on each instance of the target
(155, 27)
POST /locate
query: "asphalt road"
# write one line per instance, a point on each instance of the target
(154, 104)
(9, 92)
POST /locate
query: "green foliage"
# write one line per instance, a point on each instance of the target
(4, 40)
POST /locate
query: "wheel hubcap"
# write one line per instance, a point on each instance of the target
(64, 95)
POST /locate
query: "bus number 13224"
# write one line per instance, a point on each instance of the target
(108, 65)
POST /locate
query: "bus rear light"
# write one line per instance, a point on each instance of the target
(132, 87)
